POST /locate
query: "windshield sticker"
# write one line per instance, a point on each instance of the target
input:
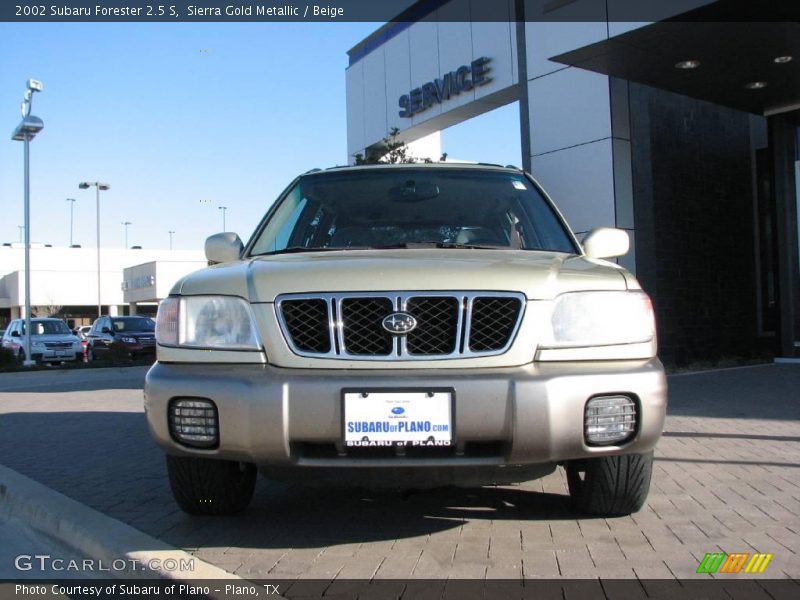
(518, 184)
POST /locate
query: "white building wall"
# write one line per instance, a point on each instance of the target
(419, 54)
(153, 281)
(68, 276)
(579, 152)
(578, 120)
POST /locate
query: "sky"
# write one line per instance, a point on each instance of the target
(180, 119)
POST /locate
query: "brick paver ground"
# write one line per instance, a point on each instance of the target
(727, 478)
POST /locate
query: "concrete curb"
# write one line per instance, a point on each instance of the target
(59, 372)
(93, 534)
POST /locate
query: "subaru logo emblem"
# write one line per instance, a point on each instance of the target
(399, 323)
(398, 410)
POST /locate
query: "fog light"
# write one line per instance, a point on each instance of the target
(609, 419)
(194, 422)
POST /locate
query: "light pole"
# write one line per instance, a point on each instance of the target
(25, 132)
(21, 230)
(85, 185)
(125, 225)
(71, 206)
(224, 209)
(170, 239)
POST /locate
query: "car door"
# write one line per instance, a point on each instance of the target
(98, 339)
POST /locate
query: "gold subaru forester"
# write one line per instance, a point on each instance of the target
(409, 326)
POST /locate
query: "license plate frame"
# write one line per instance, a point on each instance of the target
(420, 406)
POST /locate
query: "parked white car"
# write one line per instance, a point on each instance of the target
(51, 341)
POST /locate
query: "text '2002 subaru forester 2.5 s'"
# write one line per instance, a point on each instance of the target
(408, 326)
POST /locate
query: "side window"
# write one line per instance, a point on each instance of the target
(279, 230)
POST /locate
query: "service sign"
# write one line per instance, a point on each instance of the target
(398, 418)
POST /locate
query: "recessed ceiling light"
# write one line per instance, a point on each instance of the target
(756, 85)
(687, 64)
(782, 59)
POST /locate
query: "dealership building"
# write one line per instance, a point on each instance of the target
(64, 281)
(680, 128)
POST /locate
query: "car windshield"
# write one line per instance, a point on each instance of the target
(47, 327)
(410, 208)
(134, 324)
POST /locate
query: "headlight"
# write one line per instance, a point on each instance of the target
(221, 322)
(127, 340)
(599, 326)
(37, 344)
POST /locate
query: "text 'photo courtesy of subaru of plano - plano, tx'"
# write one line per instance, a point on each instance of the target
(51, 342)
(408, 326)
(132, 336)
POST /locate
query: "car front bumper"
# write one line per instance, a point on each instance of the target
(49, 355)
(287, 418)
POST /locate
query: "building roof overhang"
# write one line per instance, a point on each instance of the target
(733, 57)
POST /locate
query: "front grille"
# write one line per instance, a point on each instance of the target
(493, 321)
(147, 341)
(57, 345)
(330, 451)
(307, 322)
(363, 333)
(449, 324)
(437, 325)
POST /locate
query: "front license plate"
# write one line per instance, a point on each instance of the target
(398, 418)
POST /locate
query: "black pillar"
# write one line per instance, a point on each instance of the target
(783, 148)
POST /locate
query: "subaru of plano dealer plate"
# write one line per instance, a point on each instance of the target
(409, 326)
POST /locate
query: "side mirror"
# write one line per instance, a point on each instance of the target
(106, 330)
(606, 242)
(15, 333)
(224, 247)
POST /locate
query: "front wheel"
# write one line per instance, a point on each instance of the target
(204, 486)
(610, 486)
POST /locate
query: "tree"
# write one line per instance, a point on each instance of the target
(392, 150)
(49, 310)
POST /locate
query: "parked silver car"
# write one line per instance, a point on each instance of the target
(409, 326)
(51, 342)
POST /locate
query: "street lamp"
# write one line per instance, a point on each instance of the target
(224, 209)
(125, 225)
(85, 185)
(170, 239)
(71, 206)
(21, 230)
(25, 132)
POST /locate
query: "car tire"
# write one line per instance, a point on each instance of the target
(610, 486)
(90, 357)
(203, 486)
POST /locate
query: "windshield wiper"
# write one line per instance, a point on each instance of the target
(299, 249)
(448, 245)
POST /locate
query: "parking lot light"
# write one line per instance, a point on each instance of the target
(85, 185)
(25, 132)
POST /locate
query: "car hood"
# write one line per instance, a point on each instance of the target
(136, 333)
(539, 275)
(54, 337)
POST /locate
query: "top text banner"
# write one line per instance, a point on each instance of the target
(398, 10)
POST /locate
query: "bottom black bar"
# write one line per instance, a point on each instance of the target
(728, 588)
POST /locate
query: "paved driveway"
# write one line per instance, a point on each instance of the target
(727, 479)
